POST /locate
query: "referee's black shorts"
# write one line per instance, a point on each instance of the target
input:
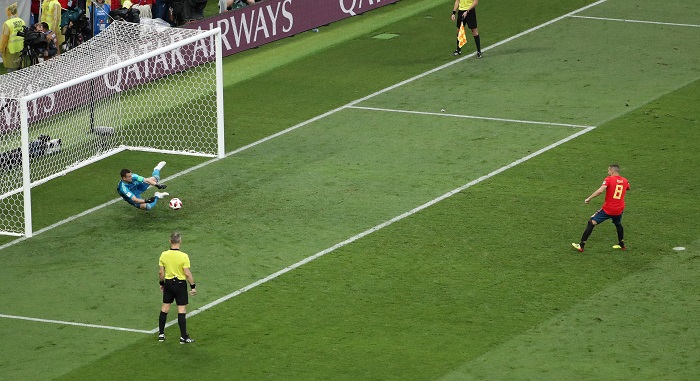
(469, 21)
(175, 290)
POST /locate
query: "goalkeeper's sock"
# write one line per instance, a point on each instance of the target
(152, 205)
(477, 41)
(156, 170)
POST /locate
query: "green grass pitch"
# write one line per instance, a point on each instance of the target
(480, 285)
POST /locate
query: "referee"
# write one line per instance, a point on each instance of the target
(174, 269)
(464, 12)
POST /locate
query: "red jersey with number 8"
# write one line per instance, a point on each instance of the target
(614, 203)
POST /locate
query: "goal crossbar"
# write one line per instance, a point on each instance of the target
(123, 64)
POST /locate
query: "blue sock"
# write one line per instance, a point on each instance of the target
(152, 205)
(156, 174)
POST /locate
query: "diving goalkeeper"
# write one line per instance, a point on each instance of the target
(132, 185)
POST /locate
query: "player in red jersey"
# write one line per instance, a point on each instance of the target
(615, 188)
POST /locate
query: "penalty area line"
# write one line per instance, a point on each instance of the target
(378, 227)
(73, 323)
(471, 117)
(635, 21)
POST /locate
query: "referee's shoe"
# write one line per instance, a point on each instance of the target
(186, 340)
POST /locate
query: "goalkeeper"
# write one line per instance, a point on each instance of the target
(132, 185)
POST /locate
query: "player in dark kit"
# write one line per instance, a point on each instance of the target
(615, 188)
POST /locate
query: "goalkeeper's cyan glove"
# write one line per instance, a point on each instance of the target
(149, 200)
(161, 186)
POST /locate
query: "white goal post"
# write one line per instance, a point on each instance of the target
(132, 87)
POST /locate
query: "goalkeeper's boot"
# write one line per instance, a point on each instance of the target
(620, 247)
(160, 165)
(161, 194)
(577, 247)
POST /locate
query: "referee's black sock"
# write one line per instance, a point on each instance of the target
(477, 41)
(161, 321)
(182, 322)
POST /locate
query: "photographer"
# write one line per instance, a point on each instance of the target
(11, 44)
(34, 44)
(52, 48)
(75, 26)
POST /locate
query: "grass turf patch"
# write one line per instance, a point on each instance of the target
(482, 270)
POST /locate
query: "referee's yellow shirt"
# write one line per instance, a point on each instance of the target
(465, 4)
(174, 262)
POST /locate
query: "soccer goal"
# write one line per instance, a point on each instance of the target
(131, 87)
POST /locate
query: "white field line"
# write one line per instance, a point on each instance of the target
(311, 258)
(73, 323)
(635, 21)
(470, 117)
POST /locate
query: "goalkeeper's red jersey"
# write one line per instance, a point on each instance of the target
(617, 187)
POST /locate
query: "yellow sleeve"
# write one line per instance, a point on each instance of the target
(5, 38)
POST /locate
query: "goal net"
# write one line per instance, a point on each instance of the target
(131, 87)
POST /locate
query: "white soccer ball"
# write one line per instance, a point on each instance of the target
(175, 203)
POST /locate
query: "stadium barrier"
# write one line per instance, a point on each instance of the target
(272, 20)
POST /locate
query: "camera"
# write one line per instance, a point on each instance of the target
(126, 14)
(32, 38)
(76, 28)
(44, 145)
(79, 25)
(53, 146)
(41, 146)
(187, 10)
